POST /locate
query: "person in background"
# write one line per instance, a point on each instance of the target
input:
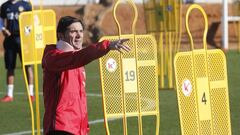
(64, 78)
(9, 12)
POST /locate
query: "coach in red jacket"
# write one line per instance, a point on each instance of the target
(64, 78)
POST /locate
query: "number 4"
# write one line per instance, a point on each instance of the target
(204, 98)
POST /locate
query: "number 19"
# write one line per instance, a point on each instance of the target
(130, 75)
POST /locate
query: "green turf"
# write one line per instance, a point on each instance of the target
(15, 116)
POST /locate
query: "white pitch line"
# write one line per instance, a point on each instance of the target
(149, 101)
(29, 132)
(40, 93)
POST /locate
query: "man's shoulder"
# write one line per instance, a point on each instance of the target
(23, 2)
(50, 48)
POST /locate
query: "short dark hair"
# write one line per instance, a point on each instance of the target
(65, 21)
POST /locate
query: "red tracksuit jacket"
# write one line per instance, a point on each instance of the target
(64, 87)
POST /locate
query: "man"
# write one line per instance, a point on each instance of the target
(10, 12)
(64, 78)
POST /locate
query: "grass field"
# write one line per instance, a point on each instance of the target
(15, 116)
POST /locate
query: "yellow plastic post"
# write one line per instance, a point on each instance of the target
(37, 28)
(154, 18)
(172, 31)
(38, 36)
(178, 16)
(133, 79)
(202, 88)
(163, 20)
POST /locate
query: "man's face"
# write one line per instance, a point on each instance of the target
(74, 35)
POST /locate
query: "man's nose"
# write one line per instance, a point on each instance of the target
(79, 34)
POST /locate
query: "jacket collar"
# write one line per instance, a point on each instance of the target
(64, 46)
